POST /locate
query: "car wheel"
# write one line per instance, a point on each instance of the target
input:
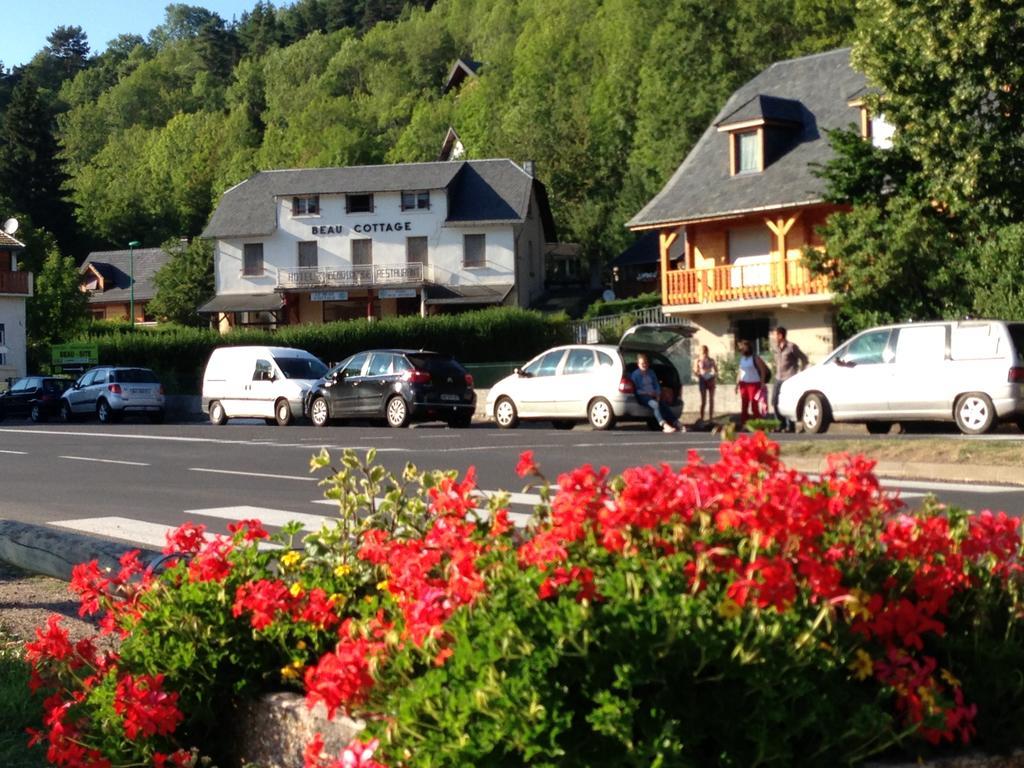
(878, 427)
(104, 412)
(974, 413)
(37, 414)
(66, 414)
(282, 413)
(157, 417)
(505, 413)
(563, 424)
(217, 415)
(816, 415)
(600, 414)
(397, 412)
(462, 421)
(319, 413)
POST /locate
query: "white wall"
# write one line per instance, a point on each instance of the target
(444, 244)
(12, 316)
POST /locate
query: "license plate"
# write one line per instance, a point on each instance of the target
(451, 398)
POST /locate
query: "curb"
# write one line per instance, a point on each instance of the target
(52, 552)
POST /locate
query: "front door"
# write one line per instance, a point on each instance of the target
(346, 391)
(861, 376)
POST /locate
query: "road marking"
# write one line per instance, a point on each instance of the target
(123, 528)
(303, 479)
(106, 461)
(929, 485)
(16, 453)
(274, 517)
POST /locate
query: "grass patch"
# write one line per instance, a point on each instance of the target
(1004, 453)
(18, 709)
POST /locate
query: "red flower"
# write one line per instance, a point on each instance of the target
(187, 538)
(526, 465)
(147, 709)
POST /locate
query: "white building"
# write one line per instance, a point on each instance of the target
(316, 245)
(15, 289)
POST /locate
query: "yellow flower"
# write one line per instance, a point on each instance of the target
(862, 665)
(857, 604)
(301, 645)
(291, 558)
(949, 678)
(296, 590)
(729, 609)
(339, 599)
(382, 585)
(342, 570)
(293, 670)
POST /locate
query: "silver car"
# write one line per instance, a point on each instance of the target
(591, 382)
(109, 392)
(969, 372)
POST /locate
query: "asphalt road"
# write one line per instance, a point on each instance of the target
(133, 480)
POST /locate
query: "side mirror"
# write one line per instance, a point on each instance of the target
(520, 372)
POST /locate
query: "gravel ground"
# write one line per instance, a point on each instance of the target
(27, 600)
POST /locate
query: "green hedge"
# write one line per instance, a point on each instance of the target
(620, 306)
(178, 354)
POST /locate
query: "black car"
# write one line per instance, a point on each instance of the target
(398, 385)
(37, 397)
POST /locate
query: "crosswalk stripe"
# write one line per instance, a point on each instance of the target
(152, 535)
(273, 517)
(106, 461)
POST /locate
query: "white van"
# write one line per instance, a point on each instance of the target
(258, 382)
(970, 372)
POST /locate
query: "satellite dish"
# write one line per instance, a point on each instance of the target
(11, 226)
(608, 295)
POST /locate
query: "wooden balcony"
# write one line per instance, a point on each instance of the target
(18, 283)
(760, 283)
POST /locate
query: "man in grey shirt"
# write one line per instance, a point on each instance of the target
(789, 360)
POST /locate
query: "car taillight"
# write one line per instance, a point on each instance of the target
(626, 386)
(160, 389)
(1016, 375)
(417, 377)
(115, 389)
(469, 380)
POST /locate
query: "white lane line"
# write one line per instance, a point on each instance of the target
(214, 440)
(136, 531)
(303, 479)
(274, 517)
(928, 485)
(16, 453)
(106, 461)
(514, 498)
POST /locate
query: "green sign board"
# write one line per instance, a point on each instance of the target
(76, 355)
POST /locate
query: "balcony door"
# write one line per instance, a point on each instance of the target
(750, 254)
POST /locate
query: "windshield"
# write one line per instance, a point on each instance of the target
(301, 367)
(134, 376)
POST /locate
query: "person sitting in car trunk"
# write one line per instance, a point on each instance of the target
(648, 393)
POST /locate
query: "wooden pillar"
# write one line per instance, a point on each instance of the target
(780, 228)
(665, 240)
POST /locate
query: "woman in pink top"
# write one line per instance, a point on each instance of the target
(752, 374)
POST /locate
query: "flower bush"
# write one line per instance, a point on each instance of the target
(732, 613)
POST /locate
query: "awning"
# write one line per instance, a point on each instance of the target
(243, 302)
(467, 294)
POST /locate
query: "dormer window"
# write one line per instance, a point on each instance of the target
(307, 205)
(875, 129)
(747, 154)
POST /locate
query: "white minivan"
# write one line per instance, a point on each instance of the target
(258, 382)
(970, 372)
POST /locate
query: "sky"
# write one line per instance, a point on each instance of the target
(25, 24)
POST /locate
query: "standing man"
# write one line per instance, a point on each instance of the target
(789, 360)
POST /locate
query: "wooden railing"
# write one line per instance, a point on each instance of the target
(15, 282)
(732, 282)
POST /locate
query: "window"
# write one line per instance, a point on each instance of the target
(354, 366)
(264, 371)
(580, 361)
(306, 206)
(362, 203)
(416, 201)
(362, 252)
(604, 360)
(748, 151)
(546, 364)
(252, 259)
(473, 247)
(308, 254)
(416, 250)
(867, 349)
(380, 364)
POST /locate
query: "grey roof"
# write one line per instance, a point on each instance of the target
(461, 69)
(702, 187)
(116, 267)
(644, 250)
(243, 302)
(480, 191)
(769, 108)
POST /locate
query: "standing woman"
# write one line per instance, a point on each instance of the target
(753, 372)
(706, 371)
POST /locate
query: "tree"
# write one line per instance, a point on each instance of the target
(184, 283)
(57, 309)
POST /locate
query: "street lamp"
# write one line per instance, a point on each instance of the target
(132, 245)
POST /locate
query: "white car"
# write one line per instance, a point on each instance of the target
(590, 382)
(969, 372)
(109, 392)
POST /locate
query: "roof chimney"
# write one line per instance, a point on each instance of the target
(529, 168)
